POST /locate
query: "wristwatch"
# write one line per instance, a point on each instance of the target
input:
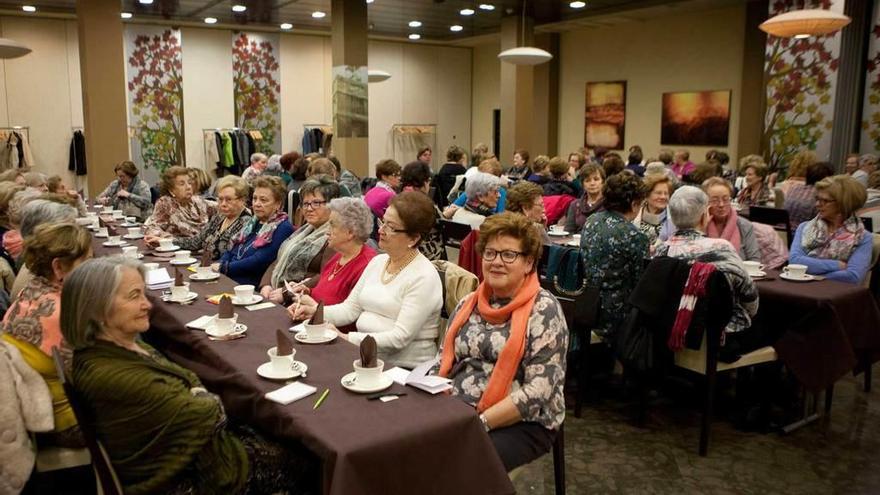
(485, 423)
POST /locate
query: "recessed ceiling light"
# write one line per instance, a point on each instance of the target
(466, 11)
(415, 24)
(210, 20)
(125, 15)
(577, 5)
(287, 25)
(239, 8)
(370, 1)
(28, 8)
(415, 36)
(801, 36)
(318, 14)
(146, 2)
(456, 28)
(487, 6)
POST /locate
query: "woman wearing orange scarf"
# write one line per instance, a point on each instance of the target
(506, 344)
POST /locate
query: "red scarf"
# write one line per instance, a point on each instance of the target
(517, 311)
(730, 231)
(694, 289)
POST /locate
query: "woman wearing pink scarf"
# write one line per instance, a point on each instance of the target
(726, 224)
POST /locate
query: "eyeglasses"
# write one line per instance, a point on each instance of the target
(720, 201)
(313, 205)
(824, 201)
(507, 256)
(388, 228)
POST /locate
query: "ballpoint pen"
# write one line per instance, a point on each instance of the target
(321, 399)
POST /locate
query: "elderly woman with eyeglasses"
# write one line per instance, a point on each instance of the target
(482, 190)
(397, 300)
(527, 199)
(505, 349)
(304, 253)
(223, 228)
(726, 224)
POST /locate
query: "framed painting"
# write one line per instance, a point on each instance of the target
(695, 118)
(605, 115)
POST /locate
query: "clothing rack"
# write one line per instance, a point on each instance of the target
(325, 128)
(254, 133)
(23, 130)
(426, 133)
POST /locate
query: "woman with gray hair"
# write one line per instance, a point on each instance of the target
(35, 213)
(163, 431)
(482, 190)
(259, 163)
(689, 211)
(351, 224)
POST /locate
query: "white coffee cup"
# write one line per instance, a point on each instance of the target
(151, 266)
(102, 232)
(280, 364)
(576, 239)
(107, 209)
(83, 221)
(244, 293)
(130, 251)
(557, 229)
(134, 231)
(753, 267)
(796, 271)
(315, 331)
(166, 243)
(181, 255)
(131, 219)
(178, 293)
(224, 326)
(114, 239)
(204, 271)
(368, 377)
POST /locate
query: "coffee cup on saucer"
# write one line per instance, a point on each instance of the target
(368, 377)
(557, 229)
(102, 232)
(179, 292)
(134, 231)
(130, 251)
(166, 243)
(281, 364)
(114, 239)
(181, 255)
(796, 271)
(204, 271)
(314, 332)
(244, 293)
(130, 219)
(107, 209)
(151, 266)
(753, 268)
(225, 326)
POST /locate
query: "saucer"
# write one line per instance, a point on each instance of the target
(188, 261)
(349, 383)
(130, 236)
(558, 234)
(192, 295)
(573, 243)
(199, 278)
(114, 244)
(254, 300)
(239, 329)
(303, 337)
(806, 278)
(267, 371)
(168, 249)
(129, 224)
(758, 274)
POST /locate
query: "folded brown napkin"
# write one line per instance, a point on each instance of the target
(112, 230)
(226, 310)
(102, 223)
(368, 352)
(285, 345)
(206, 257)
(318, 317)
(178, 278)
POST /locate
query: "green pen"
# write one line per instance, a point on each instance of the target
(321, 399)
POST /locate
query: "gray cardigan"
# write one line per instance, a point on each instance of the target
(748, 247)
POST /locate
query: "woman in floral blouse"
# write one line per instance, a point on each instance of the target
(615, 249)
(224, 227)
(506, 344)
(178, 213)
(756, 192)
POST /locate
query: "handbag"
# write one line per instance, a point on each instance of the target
(635, 343)
(566, 270)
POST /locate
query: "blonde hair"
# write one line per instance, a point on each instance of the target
(800, 162)
(491, 166)
(848, 193)
(66, 242)
(200, 180)
(239, 185)
(749, 161)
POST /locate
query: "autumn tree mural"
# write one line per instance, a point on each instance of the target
(155, 88)
(801, 75)
(870, 141)
(256, 87)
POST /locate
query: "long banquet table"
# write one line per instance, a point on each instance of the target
(416, 444)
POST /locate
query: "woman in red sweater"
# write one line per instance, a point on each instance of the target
(351, 223)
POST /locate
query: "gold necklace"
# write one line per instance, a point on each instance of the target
(338, 268)
(385, 281)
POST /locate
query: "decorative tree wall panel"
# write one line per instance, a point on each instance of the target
(256, 87)
(870, 140)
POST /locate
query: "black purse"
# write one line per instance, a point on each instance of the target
(635, 343)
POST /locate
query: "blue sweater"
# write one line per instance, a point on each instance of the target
(502, 200)
(246, 266)
(856, 266)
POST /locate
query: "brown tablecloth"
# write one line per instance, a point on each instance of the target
(822, 329)
(416, 444)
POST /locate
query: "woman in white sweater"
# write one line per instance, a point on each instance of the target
(398, 297)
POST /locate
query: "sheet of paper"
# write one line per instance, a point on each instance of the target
(291, 393)
(200, 323)
(257, 307)
(397, 374)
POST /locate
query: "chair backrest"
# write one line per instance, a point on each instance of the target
(453, 233)
(154, 194)
(779, 197)
(107, 479)
(776, 217)
(868, 222)
(292, 203)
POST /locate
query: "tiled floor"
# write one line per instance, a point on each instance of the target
(607, 453)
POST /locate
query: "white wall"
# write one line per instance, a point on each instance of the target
(680, 52)
(486, 92)
(42, 90)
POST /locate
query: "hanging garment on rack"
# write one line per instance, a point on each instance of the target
(26, 159)
(77, 160)
(244, 152)
(252, 144)
(212, 156)
(8, 152)
(226, 144)
(408, 142)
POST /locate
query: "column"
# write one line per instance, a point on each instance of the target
(350, 102)
(545, 123)
(752, 88)
(102, 65)
(850, 91)
(517, 91)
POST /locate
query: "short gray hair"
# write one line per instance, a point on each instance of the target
(480, 183)
(35, 179)
(18, 202)
(43, 211)
(355, 216)
(686, 207)
(258, 157)
(866, 159)
(274, 165)
(87, 297)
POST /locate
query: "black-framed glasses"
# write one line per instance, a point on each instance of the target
(825, 201)
(313, 205)
(507, 256)
(388, 228)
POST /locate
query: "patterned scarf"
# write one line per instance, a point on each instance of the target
(730, 231)
(584, 209)
(297, 253)
(839, 245)
(264, 236)
(694, 289)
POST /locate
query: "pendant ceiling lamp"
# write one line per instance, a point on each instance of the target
(376, 75)
(12, 49)
(804, 23)
(525, 55)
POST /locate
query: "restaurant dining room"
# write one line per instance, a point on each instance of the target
(382, 247)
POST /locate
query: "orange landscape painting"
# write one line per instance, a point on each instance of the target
(605, 115)
(697, 118)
